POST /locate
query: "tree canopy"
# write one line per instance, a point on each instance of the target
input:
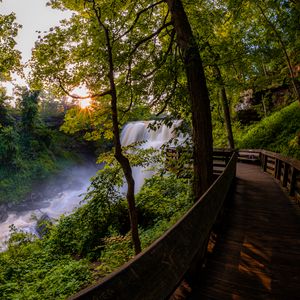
(9, 56)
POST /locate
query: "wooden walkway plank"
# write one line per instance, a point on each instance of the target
(257, 255)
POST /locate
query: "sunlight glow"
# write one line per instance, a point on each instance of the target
(85, 103)
(82, 91)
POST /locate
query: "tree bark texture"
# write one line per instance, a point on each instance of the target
(199, 99)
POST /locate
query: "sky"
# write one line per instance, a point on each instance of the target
(33, 15)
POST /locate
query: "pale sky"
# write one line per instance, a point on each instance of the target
(33, 15)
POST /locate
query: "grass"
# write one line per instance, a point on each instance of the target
(279, 132)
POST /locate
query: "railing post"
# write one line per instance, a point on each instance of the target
(293, 182)
(275, 168)
(285, 174)
(260, 158)
(226, 160)
(278, 169)
(265, 165)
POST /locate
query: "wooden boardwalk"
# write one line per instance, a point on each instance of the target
(257, 255)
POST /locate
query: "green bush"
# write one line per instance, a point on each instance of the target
(163, 196)
(29, 271)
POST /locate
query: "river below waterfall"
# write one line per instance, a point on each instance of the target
(59, 195)
(64, 192)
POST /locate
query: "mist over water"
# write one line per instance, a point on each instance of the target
(57, 196)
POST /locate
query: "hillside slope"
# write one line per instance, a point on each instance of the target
(279, 132)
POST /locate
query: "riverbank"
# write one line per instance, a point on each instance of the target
(36, 190)
(58, 195)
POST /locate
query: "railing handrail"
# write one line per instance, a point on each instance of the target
(285, 169)
(156, 272)
(291, 161)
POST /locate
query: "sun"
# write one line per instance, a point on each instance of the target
(85, 103)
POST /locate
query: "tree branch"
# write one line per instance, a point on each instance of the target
(144, 40)
(164, 58)
(117, 34)
(139, 14)
(169, 98)
(81, 97)
(149, 37)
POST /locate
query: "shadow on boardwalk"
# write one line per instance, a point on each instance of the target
(257, 255)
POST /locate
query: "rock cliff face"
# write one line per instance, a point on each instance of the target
(254, 105)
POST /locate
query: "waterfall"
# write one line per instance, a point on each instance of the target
(139, 131)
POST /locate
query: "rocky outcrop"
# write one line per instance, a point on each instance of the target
(42, 224)
(254, 105)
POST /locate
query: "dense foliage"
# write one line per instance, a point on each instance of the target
(9, 56)
(29, 150)
(91, 242)
(30, 270)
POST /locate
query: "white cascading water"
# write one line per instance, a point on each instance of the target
(68, 190)
(139, 132)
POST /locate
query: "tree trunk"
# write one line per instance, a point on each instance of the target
(264, 106)
(200, 105)
(123, 160)
(225, 106)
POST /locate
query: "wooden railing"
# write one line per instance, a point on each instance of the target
(221, 158)
(286, 170)
(156, 272)
(173, 163)
(249, 155)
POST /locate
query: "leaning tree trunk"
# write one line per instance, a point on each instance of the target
(200, 105)
(123, 160)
